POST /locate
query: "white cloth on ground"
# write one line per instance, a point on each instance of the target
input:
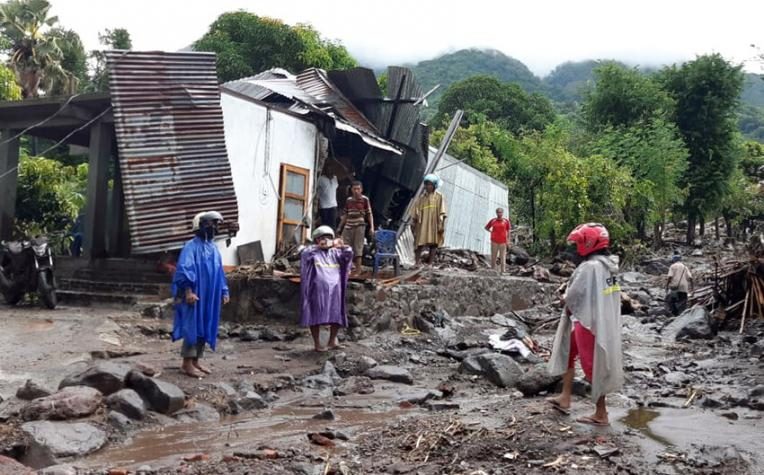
(594, 299)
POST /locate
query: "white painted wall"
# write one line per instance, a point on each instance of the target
(256, 174)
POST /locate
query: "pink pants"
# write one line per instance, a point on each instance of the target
(582, 346)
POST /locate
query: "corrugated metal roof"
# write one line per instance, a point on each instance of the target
(361, 87)
(316, 84)
(271, 85)
(404, 115)
(172, 154)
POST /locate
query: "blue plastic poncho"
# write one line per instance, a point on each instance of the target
(200, 268)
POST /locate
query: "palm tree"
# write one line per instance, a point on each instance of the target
(35, 55)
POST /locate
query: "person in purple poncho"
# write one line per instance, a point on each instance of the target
(324, 271)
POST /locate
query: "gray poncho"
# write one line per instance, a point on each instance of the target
(594, 300)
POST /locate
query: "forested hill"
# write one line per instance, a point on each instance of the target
(564, 84)
(453, 67)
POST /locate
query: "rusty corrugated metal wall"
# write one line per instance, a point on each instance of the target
(172, 153)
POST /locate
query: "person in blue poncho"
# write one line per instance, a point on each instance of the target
(199, 288)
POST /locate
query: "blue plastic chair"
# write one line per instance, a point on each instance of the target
(386, 241)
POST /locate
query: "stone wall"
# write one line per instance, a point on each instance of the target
(265, 299)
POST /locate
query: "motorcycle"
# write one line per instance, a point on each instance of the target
(27, 266)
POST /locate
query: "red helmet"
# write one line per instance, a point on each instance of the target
(589, 237)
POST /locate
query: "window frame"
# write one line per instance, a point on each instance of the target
(283, 195)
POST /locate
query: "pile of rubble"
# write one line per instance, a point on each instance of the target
(735, 289)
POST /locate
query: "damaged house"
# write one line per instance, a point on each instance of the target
(168, 141)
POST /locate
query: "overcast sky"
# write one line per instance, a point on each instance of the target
(541, 33)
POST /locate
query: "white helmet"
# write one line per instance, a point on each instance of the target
(322, 231)
(204, 216)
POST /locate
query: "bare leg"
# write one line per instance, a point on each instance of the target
(201, 367)
(315, 332)
(600, 413)
(333, 330)
(189, 369)
(563, 400)
(357, 265)
(418, 256)
(431, 256)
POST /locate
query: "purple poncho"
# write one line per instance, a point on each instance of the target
(323, 280)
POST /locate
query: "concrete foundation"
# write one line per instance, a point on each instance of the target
(265, 299)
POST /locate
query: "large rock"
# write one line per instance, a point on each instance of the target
(106, 377)
(69, 403)
(536, 380)
(251, 401)
(66, 439)
(500, 369)
(519, 256)
(354, 385)
(160, 396)
(120, 421)
(9, 466)
(656, 266)
(390, 373)
(471, 365)
(128, 402)
(694, 323)
(198, 413)
(32, 390)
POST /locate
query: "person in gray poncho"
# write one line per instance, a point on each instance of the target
(590, 327)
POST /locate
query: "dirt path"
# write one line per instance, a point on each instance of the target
(479, 429)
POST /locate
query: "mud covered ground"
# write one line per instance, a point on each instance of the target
(687, 407)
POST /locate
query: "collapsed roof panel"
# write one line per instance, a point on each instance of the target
(316, 84)
(399, 118)
(361, 87)
(172, 154)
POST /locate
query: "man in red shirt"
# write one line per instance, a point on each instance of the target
(499, 228)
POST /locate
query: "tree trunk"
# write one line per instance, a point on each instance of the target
(716, 227)
(657, 235)
(690, 229)
(728, 225)
(533, 216)
(702, 222)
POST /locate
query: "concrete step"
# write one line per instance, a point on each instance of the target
(137, 288)
(115, 275)
(86, 299)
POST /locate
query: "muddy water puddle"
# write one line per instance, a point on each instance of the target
(286, 423)
(667, 429)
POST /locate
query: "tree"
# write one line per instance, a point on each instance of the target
(9, 89)
(706, 92)
(34, 54)
(477, 145)
(504, 103)
(73, 61)
(50, 194)
(118, 38)
(657, 159)
(622, 97)
(247, 44)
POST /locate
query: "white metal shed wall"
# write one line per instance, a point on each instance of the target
(471, 199)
